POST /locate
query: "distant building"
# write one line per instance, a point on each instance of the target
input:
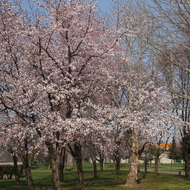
(166, 146)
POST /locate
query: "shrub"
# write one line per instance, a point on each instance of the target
(9, 170)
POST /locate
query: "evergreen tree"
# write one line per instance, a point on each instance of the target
(175, 151)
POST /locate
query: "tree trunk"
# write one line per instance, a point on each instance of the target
(70, 161)
(27, 170)
(24, 158)
(101, 163)
(80, 172)
(62, 165)
(145, 162)
(95, 168)
(55, 174)
(138, 172)
(185, 141)
(55, 158)
(134, 162)
(145, 165)
(92, 152)
(186, 160)
(78, 158)
(117, 165)
(76, 151)
(16, 171)
(187, 168)
(156, 163)
(29, 178)
(100, 160)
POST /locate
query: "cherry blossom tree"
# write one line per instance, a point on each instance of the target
(99, 146)
(62, 66)
(54, 66)
(16, 130)
(117, 146)
(140, 105)
(145, 109)
(80, 139)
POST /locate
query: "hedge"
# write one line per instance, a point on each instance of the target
(9, 171)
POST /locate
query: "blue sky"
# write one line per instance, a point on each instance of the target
(105, 5)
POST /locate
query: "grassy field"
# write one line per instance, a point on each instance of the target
(106, 180)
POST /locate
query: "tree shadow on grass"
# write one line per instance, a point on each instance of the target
(106, 179)
(10, 185)
(44, 181)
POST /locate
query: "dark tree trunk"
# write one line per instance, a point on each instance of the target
(187, 168)
(95, 168)
(16, 171)
(62, 165)
(186, 148)
(27, 170)
(101, 161)
(145, 161)
(156, 162)
(138, 172)
(80, 172)
(117, 165)
(24, 158)
(29, 178)
(92, 151)
(78, 158)
(145, 165)
(76, 152)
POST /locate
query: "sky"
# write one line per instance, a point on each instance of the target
(105, 5)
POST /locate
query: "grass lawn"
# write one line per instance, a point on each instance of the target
(105, 181)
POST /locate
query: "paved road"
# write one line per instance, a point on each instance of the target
(176, 171)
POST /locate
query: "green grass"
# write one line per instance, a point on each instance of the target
(173, 165)
(39, 167)
(107, 180)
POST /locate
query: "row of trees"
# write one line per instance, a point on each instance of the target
(170, 26)
(71, 79)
